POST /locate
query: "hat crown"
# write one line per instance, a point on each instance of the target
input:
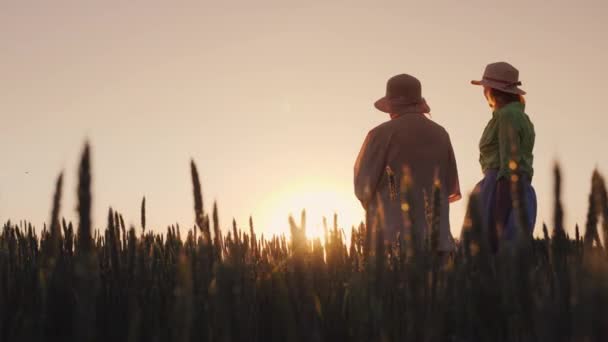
(403, 95)
(501, 71)
(404, 87)
(501, 76)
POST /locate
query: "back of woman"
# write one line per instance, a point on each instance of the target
(506, 156)
(419, 151)
(399, 163)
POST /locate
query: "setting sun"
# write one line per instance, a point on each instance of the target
(318, 199)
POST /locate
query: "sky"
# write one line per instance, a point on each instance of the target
(273, 99)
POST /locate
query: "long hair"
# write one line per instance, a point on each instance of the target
(498, 99)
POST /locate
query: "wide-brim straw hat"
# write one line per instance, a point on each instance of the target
(501, 76)
(403, 95)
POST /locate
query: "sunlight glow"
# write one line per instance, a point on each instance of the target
(319, 201)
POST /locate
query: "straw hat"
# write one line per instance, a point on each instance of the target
(403, 95)
(501, 76)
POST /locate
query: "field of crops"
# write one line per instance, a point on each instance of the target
(71, 282)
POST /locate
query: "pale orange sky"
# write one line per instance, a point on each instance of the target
(273, 99)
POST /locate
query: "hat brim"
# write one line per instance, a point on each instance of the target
(387, 105)
(499, 86)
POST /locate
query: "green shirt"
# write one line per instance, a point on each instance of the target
(507, 141)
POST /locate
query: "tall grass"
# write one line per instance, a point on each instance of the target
(116, 284)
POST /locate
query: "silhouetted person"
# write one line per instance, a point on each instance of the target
(409, 148)
(505, 153)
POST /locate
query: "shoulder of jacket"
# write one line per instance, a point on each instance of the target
(442, 131)
(381, 128)
(509, 112)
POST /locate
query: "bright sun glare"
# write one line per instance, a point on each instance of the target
(319, 201)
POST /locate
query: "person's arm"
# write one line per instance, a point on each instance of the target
(368, 168)
(452, 183)
(509, 150)
(508, 145)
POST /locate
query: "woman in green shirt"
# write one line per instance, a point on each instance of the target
(505, 148)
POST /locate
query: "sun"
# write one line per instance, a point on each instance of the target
(318, 200)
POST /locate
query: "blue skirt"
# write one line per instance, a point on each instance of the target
(486, 189)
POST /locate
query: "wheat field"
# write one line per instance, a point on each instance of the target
(73, 282)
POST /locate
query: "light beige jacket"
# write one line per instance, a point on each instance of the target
(409, 144)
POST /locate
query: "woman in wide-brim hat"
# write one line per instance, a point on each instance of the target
(506, 155)
(400, 163)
